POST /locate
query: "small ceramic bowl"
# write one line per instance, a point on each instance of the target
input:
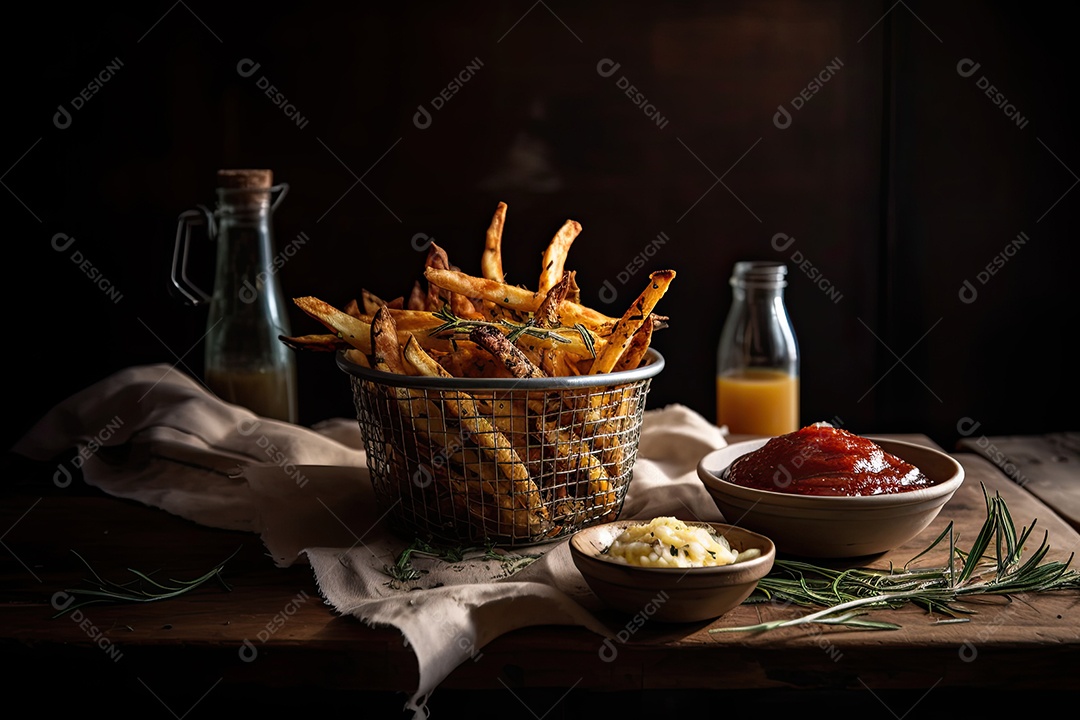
(834, 526)
(670, 595)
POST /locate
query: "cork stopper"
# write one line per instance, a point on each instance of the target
(245, 188)
(246, 179)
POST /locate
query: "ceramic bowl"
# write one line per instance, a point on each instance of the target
(670, 594)
(834, 526)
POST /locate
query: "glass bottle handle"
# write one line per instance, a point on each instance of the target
(282, 189)
(198, 216)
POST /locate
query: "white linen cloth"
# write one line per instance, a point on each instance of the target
(153, 434)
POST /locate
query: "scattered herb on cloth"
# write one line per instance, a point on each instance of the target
(993, 565)
(403, 570)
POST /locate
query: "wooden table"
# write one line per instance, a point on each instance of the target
(270, 644)
(1047, 466)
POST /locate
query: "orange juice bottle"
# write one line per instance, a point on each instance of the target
(757, 361)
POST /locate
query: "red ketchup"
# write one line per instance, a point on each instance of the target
(824, 460)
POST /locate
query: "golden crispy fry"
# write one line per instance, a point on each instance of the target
(352, 330)
(370, 302)
(554, 259)
(469, 361)
(529, 512)
(355, 356)
(547, 314)
(491, 265)
(569, 449)
(637, 314)
(436, 296)
(353, 308)
(461, 305)
(635, 351)
(514, 298)
(385, 348)
(315, 343)
(573, 294)
(516, 362)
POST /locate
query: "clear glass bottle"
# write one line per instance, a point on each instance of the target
(757, 361)
(245, 361)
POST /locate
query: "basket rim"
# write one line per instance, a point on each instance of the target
(651, 365)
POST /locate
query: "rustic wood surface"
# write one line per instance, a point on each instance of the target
(1047, 466)
(272, 630)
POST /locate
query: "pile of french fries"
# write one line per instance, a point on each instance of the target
(523, 464)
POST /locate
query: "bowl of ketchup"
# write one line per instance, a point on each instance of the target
(824, 492)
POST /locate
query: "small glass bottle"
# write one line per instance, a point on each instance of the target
(757, 361)
(245, 361)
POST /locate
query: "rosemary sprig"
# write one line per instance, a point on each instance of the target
(993, 565)
(461, 326)
(142, 589)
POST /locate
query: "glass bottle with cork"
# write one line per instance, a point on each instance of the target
(757, 362)
(245, 361)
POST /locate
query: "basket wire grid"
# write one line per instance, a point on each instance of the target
(505, 462)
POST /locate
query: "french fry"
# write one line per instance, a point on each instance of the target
(385, 348)
(370, 302)
(516, 362)
(461, 305)
(639, 345)
(436, 296)
(491, 264)
(571, 452)
(518, 299)
(355, 356)
(352, 330)
(547, 313)
(315, 343)
(637, 314)
(528, 513)
(554, 258)
(353, 308)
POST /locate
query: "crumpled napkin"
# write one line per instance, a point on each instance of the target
(153, 434)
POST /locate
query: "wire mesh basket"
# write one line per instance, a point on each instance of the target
(502, 461)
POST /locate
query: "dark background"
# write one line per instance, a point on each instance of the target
(899, 180)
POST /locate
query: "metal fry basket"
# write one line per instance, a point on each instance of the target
(510, 462)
